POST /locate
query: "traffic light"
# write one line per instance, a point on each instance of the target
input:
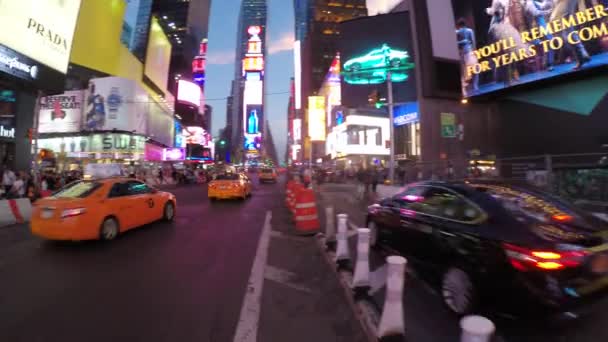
(222, 142)
(30, 134)
(381, 103)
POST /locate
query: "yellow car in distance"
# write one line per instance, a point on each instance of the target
(229, 186)
(267, 174)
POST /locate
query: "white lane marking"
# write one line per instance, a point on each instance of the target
(247, 327)
(285, 278)
(352, 231)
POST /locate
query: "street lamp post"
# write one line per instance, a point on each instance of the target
(391, 114)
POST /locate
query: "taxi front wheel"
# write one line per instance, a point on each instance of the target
(109, 229)
(169, 212)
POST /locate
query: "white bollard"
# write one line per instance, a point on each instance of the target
(342, 253)
(361, 282)
(391, 322)
(476, 329)
(330, 228)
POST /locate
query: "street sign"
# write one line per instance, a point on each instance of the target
(448, 125)
(401, 156)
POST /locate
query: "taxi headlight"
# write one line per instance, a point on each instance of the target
(73, 212)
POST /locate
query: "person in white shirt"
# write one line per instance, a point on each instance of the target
(18, 189)
(8, 178)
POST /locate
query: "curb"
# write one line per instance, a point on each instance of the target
(364, 312)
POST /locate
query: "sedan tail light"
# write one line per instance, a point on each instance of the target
(72, 212)
(524, 259)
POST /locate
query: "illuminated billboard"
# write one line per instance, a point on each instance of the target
(500, 47)
(254, 58)
(297, 70)
(253, 119)
(158, 55)
(369, 49)
(316, 118)
(61, 113)
(194, 135)
(297, 130)
(253, 92)
(40, 30)
(188, 92)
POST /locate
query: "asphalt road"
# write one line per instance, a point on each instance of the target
(181, 281)
(426, 319)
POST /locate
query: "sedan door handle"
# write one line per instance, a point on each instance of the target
(446, 233)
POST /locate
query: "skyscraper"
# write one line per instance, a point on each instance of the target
(251, 29)
(186, 23)
(303, 17)
(318, 26)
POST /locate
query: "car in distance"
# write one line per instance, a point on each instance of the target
(229, 185)
(268, 174)
(497, 244)
(99, 209)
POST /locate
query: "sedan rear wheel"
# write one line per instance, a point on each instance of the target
(458, 291)
(109, 229)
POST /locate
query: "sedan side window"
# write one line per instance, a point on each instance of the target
(446, 204)
(119, 190)
(408, 197)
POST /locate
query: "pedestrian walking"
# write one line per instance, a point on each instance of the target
(18, 188)
(8, 178)
(375, 178)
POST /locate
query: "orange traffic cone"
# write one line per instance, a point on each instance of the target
(288, 191)
(307, 220)
(296, 188)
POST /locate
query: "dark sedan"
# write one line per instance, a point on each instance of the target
(508, 246)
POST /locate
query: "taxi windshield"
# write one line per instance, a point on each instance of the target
(80, 189)
(266, 170)
(227, 176)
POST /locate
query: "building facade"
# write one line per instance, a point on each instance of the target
(248, 70)
(318, 25)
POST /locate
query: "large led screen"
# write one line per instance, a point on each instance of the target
(158, 56)
(503, 43)
(371, 48)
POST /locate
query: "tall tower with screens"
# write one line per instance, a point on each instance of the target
(248, 89)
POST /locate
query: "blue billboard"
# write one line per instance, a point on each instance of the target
(406, 113)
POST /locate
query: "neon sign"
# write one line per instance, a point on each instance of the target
(374, 66)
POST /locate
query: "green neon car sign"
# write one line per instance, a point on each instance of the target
(373, 67)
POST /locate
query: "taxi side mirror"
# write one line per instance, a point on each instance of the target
(153, 190)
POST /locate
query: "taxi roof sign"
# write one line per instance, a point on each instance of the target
(97, 171)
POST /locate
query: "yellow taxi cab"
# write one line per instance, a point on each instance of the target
(229, 185)
(267, 174)
(100, 209)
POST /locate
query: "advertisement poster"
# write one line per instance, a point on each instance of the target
(316, 118)
(8, 98)
(253, 119)
(115, 103)
(371, 49)
(61, 113)
(41, 30)
(503, 43)
(194, 135)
